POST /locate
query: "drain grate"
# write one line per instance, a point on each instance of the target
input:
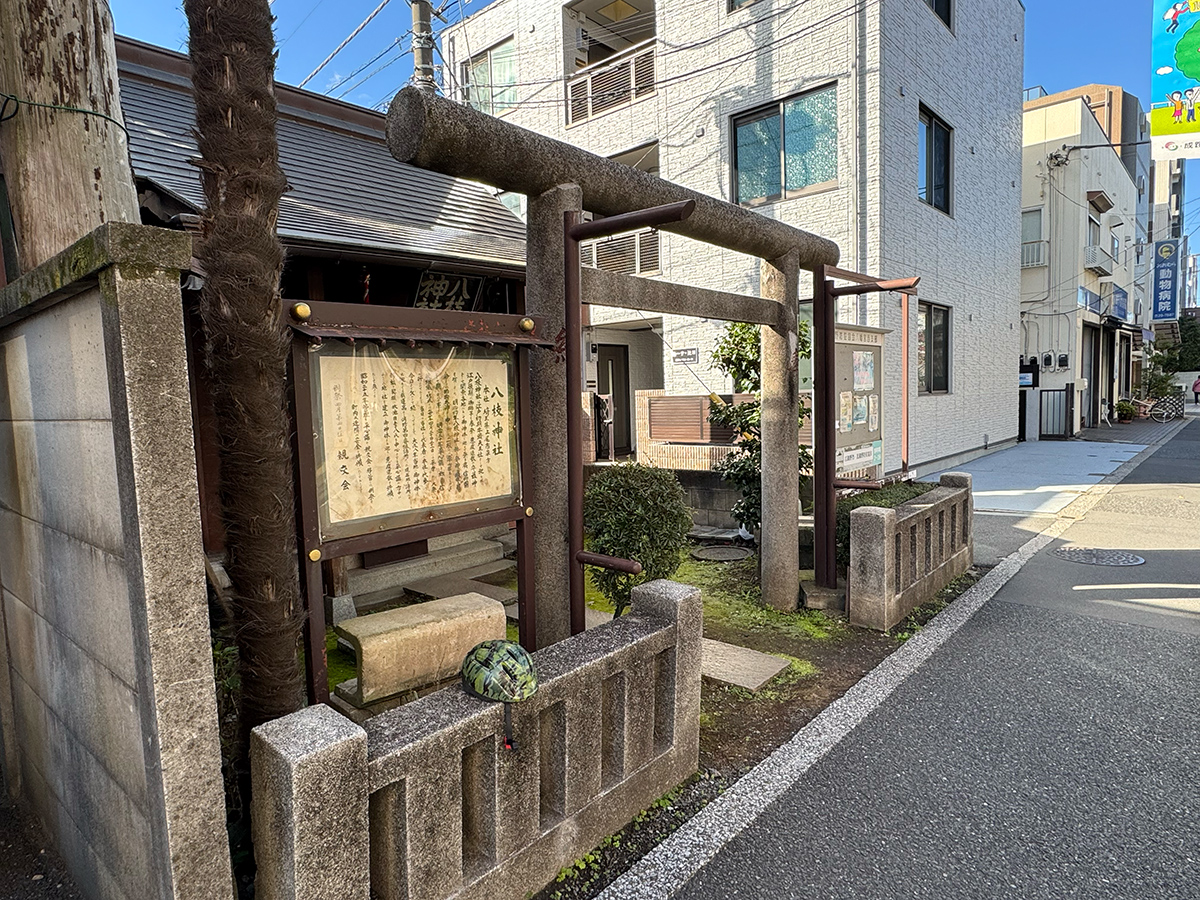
(1092, 557)
(721, 554)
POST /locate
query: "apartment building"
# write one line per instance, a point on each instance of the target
(892, 128)
(1085, 254)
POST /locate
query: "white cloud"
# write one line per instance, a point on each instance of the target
(1165, 70)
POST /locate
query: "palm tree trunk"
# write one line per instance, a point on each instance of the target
(232, 51)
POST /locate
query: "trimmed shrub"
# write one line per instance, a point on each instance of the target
(634, 512)
(887, 498)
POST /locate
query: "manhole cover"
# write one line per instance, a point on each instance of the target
(1092, 557)
(720, 554)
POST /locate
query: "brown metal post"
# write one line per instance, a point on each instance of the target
(574, 327)
(824, 432)
(527, 609)
(312, 581)
(904, 374)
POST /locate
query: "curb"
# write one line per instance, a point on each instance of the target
(669, 866)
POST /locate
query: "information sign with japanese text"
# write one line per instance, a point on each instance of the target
(407, 435)
(1165, 288)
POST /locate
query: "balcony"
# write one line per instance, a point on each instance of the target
(1034, 253)
(632, 253)
(1098, 259)
(616, 81)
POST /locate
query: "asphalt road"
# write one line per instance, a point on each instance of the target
(1049, 749)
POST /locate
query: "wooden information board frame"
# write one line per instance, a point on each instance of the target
(315, 322)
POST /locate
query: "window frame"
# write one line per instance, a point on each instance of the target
(1041, 219)
(925, 376)
(948, 19)
(927, 119)
(775, 109)
(468, 84)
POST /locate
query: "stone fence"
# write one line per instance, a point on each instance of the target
(900, 558)
(428, 794)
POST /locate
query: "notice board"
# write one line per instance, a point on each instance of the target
(858, 366)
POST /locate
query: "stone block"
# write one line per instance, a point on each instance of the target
(23, 568)
(309, 813)
(872, 573)
(339, 609)
(412, 646)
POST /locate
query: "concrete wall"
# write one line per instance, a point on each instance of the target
(452, 813)
(886, 61)
(107, 700)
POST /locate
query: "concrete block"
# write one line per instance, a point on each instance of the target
(309, 816)
(23, 568)
(90, 596)
(64, 475)
(437, 562)
(412, 646)
(52, 366)
(101, 712)
(110, 822)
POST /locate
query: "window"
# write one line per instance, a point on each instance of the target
(1031, 225)
(489, 79)
(731, 5)
(1115, 241)
(933, 348)
(942, 8)
(1093, 236)
(786, 147)
(933, 161)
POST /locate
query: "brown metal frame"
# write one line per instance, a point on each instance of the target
(825, 480)
(380, 324)
(575, 231)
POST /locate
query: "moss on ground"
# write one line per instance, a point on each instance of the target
(341, 663)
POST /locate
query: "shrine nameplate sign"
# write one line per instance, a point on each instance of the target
(410, 435)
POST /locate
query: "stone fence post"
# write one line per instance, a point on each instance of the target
(309, 812)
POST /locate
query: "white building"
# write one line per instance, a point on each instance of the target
(892, 128)
(1085, 253)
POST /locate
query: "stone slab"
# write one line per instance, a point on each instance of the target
(441, 586)
(413, 646)
(815, 597)
(436, 562)
(739, 666)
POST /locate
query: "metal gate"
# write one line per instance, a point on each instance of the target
(1057, 414)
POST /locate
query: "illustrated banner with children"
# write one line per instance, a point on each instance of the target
(1175, 84)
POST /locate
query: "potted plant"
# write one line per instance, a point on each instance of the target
(1125, 411)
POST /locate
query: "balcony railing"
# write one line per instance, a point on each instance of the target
(1034, 253)
(632, 253)
(1098, 259)
(616, 81)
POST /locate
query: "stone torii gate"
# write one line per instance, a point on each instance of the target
(434, 133)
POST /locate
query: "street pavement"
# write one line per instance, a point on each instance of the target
(1047, 748)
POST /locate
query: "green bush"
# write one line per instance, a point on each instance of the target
(1125, 409)
(634, 512)
(891, 496)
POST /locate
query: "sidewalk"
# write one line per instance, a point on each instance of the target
(1044, 746)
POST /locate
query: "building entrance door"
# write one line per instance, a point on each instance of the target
(612, 362)
(1090, 372)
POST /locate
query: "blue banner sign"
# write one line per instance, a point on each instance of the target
(1089, 299)
(1165, 288)
(1120, 303)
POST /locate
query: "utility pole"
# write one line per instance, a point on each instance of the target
(422, 78)
(63, 148)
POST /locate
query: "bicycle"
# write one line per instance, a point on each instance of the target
(1167, 408)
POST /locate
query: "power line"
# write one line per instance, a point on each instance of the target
(343, 44)
(371, 61)
(393, 61)
(302, 21)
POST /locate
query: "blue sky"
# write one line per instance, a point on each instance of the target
(1066, 45)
